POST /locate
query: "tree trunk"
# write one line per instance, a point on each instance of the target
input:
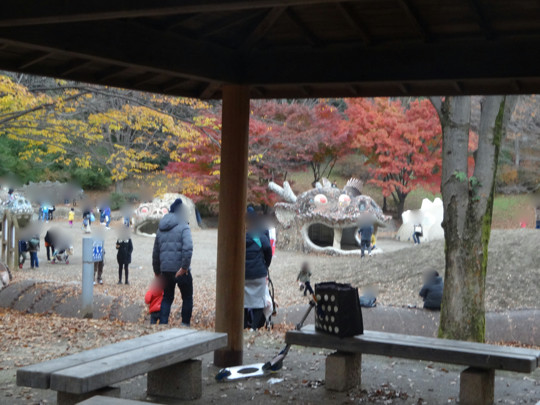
(468, 205)
(119, 186)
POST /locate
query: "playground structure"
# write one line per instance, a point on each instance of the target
(15, 213)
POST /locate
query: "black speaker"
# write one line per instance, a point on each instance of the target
(338, 310)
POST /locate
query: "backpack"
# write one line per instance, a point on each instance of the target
(34, 242)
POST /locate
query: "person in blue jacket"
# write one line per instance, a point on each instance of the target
(258, 259)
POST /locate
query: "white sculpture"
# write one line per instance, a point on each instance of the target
(430, 216)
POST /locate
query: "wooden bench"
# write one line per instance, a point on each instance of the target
(166, 356)
(343, 368)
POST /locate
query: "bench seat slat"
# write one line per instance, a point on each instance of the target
(422, 348)
(100, 373)
(38, 375)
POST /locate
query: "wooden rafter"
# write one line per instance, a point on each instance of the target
(415, 19)
(262, 28)
(102, 43)
(309, 36)
(33, 12)
(476, 7)
(34, 58)
(353, 20)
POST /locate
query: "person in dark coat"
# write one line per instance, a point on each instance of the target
(432, 291)
(49, 243)
(125, 248)
(258, 259)
(171, 260)
(365, 231)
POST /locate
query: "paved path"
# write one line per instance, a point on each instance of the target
(46, 297)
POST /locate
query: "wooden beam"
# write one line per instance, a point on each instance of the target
(34, 58)
(227, 23)
(209, 90)
(33, 12)
(310, 37)
(358, 64)
(231, 228)
(262, 28)
(353, 20)
(73, 66)
(129, 45)
(144, 78)
(111, 72)
(476, 8)
(414, 17)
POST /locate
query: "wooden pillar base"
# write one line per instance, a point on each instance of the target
(228, 358)
(343, 371)
(180, 381)
(66, 398)
(477, 386)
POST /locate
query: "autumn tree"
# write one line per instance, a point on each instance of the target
(283, 137)
(468, 208)
(402, 143)
(124, 132)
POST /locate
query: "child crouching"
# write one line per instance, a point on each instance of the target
(153, 298)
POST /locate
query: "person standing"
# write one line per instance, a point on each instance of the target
(71, 217)
(171, 260)
(258, 259)
(107, 217)
(33, 248)
(49, 244)
(417, 233)
(125, 248)
(365, 231)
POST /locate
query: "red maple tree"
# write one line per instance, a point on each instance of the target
(283, 137)
(402, 142)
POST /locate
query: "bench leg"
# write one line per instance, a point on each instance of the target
(343, 371)
(477, 386)
(180, 381)
(66, 398)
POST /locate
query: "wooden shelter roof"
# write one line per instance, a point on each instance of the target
(281, 48)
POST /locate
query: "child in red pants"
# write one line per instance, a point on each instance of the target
(153, 298)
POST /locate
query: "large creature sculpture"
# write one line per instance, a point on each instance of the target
(17, 205)
(325, 219)
(148, 214)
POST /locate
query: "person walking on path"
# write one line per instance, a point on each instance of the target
(171, 260)
(417, 233)
(258, 259)
(98, 266)
(33, 248)
(125, 248)
(304, 278)
(71, 217)
(432, 291)
(365, 231)
(23, 252)
(154, 298)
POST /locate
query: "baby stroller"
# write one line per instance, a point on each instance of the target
(62, 254)
(271, 308)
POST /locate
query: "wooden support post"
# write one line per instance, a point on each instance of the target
(231, 226)
(477, 386)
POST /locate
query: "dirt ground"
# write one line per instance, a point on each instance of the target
(27, 339)
(513, 277)
(513, 282)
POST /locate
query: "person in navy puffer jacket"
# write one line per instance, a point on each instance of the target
(171, 260)
(258, 259)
